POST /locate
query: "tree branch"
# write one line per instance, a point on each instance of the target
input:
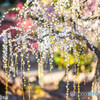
(89, 45)
(12, 87)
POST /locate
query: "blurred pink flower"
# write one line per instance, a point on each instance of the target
(35, 45)
(93, 4)
(25, 24)
(90, 5)
(10, 16)
(20, 5)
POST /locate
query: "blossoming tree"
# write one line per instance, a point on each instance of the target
(61, 23)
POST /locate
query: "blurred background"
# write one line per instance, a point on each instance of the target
(55, 87)
(6, 4)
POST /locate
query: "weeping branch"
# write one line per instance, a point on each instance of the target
(77, 36)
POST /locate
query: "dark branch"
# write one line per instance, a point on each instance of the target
(92, 18)
(92, 47)
(89, 45)
(32, 17)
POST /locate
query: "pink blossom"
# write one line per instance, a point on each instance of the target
(20, 5)
(93, 4)
(89, 6)
(25, 24)
(10, 16)
(35, 45)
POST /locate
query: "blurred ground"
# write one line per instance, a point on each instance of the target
(54, 92)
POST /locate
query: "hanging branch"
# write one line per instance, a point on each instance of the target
(78, 36)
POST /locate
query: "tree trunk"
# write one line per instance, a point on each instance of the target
(12, 87)
(96, 82)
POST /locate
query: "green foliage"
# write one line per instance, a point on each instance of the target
(98, 46)
(82, 56)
